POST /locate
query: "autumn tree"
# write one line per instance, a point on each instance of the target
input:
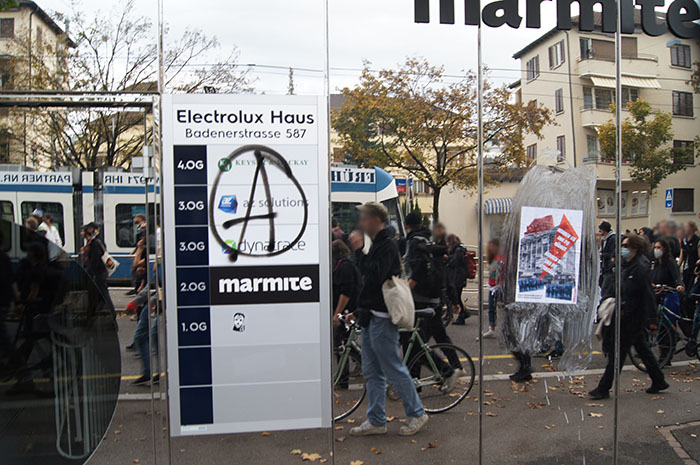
(115, 52)
(645, 143)
(413, 119)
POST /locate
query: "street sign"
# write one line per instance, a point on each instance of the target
(669, 198)
(246, 202)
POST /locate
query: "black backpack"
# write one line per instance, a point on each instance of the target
(434, 280)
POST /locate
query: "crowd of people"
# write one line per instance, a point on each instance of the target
(436, 265)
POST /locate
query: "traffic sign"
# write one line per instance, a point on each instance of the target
(669, 198)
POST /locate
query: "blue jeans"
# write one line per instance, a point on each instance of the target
(492, 309)
(381, 360)
(141, 338)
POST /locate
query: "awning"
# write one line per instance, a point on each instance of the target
(627, 81)
(497, 206)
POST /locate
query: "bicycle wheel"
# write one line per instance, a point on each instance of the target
(348, 391)
(662, 345)
(431, 383)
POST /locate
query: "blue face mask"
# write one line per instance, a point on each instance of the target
(625, 253)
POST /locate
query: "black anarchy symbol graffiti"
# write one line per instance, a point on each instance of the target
(262, 154)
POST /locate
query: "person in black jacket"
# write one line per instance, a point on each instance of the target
(346, 286)
(664, 269)
(690, 254)
(426, 281)
(637, 305)
(381, 353)
(94, 267)
(607, 249)
(456, 276)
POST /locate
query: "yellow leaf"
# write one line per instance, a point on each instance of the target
(296, 452)
(357, 462)
(265, 433)
(310, 457)
(595, 415)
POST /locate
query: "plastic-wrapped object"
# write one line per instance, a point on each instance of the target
(529, 327)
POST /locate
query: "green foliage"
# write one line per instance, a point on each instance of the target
(645, 143)
(411, 119)
(8, 4)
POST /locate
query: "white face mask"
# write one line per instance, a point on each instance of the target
(658, 253)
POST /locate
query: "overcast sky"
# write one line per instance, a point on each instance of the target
(277, 34)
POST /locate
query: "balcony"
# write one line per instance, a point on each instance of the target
(640, 65)
(592, 117)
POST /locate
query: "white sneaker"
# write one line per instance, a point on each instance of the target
(490, 334)
(451, 382)
(413, 425)
(367, 429)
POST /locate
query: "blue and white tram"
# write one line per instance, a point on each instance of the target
(351, 186)
(71, 198)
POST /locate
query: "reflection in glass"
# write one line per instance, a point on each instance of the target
(60, 364)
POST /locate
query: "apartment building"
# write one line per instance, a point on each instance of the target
(573, 74)
(31, 43)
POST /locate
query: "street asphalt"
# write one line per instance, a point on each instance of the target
(548, 421)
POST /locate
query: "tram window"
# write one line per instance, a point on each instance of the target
(56, 210)
(7, 212)
(7, 221)
(346, 214)
(124, 228)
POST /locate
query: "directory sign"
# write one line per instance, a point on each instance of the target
(246, 205)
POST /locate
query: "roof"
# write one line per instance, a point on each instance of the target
(48, 20)
(597, 20)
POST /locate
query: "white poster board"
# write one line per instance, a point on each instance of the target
(549, 255)
(246, 208)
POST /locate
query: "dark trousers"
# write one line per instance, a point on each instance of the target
(638, 340)
(524, 362)
(455, 295)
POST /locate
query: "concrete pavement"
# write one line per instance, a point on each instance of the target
(546, 422)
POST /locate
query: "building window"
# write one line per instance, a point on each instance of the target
(39, 36)
(683, 201)
(603, 98)
(556, 54)
(588, 98)
(7, 28)
(559, 100)
(629, 94)
(6, 75)
(533, 68)
(532, 152)
(596, 98)
(629, 47)
(597, 49)
(593, 147)
(561, 148)
(680, 56)
(683, 152)
(682, 103)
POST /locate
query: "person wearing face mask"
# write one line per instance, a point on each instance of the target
(637, 305)
(664, 268)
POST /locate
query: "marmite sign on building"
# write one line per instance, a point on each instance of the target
(680, 18)
(246, 245)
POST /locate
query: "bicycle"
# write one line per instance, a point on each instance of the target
(349, 393)
(671, 329)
